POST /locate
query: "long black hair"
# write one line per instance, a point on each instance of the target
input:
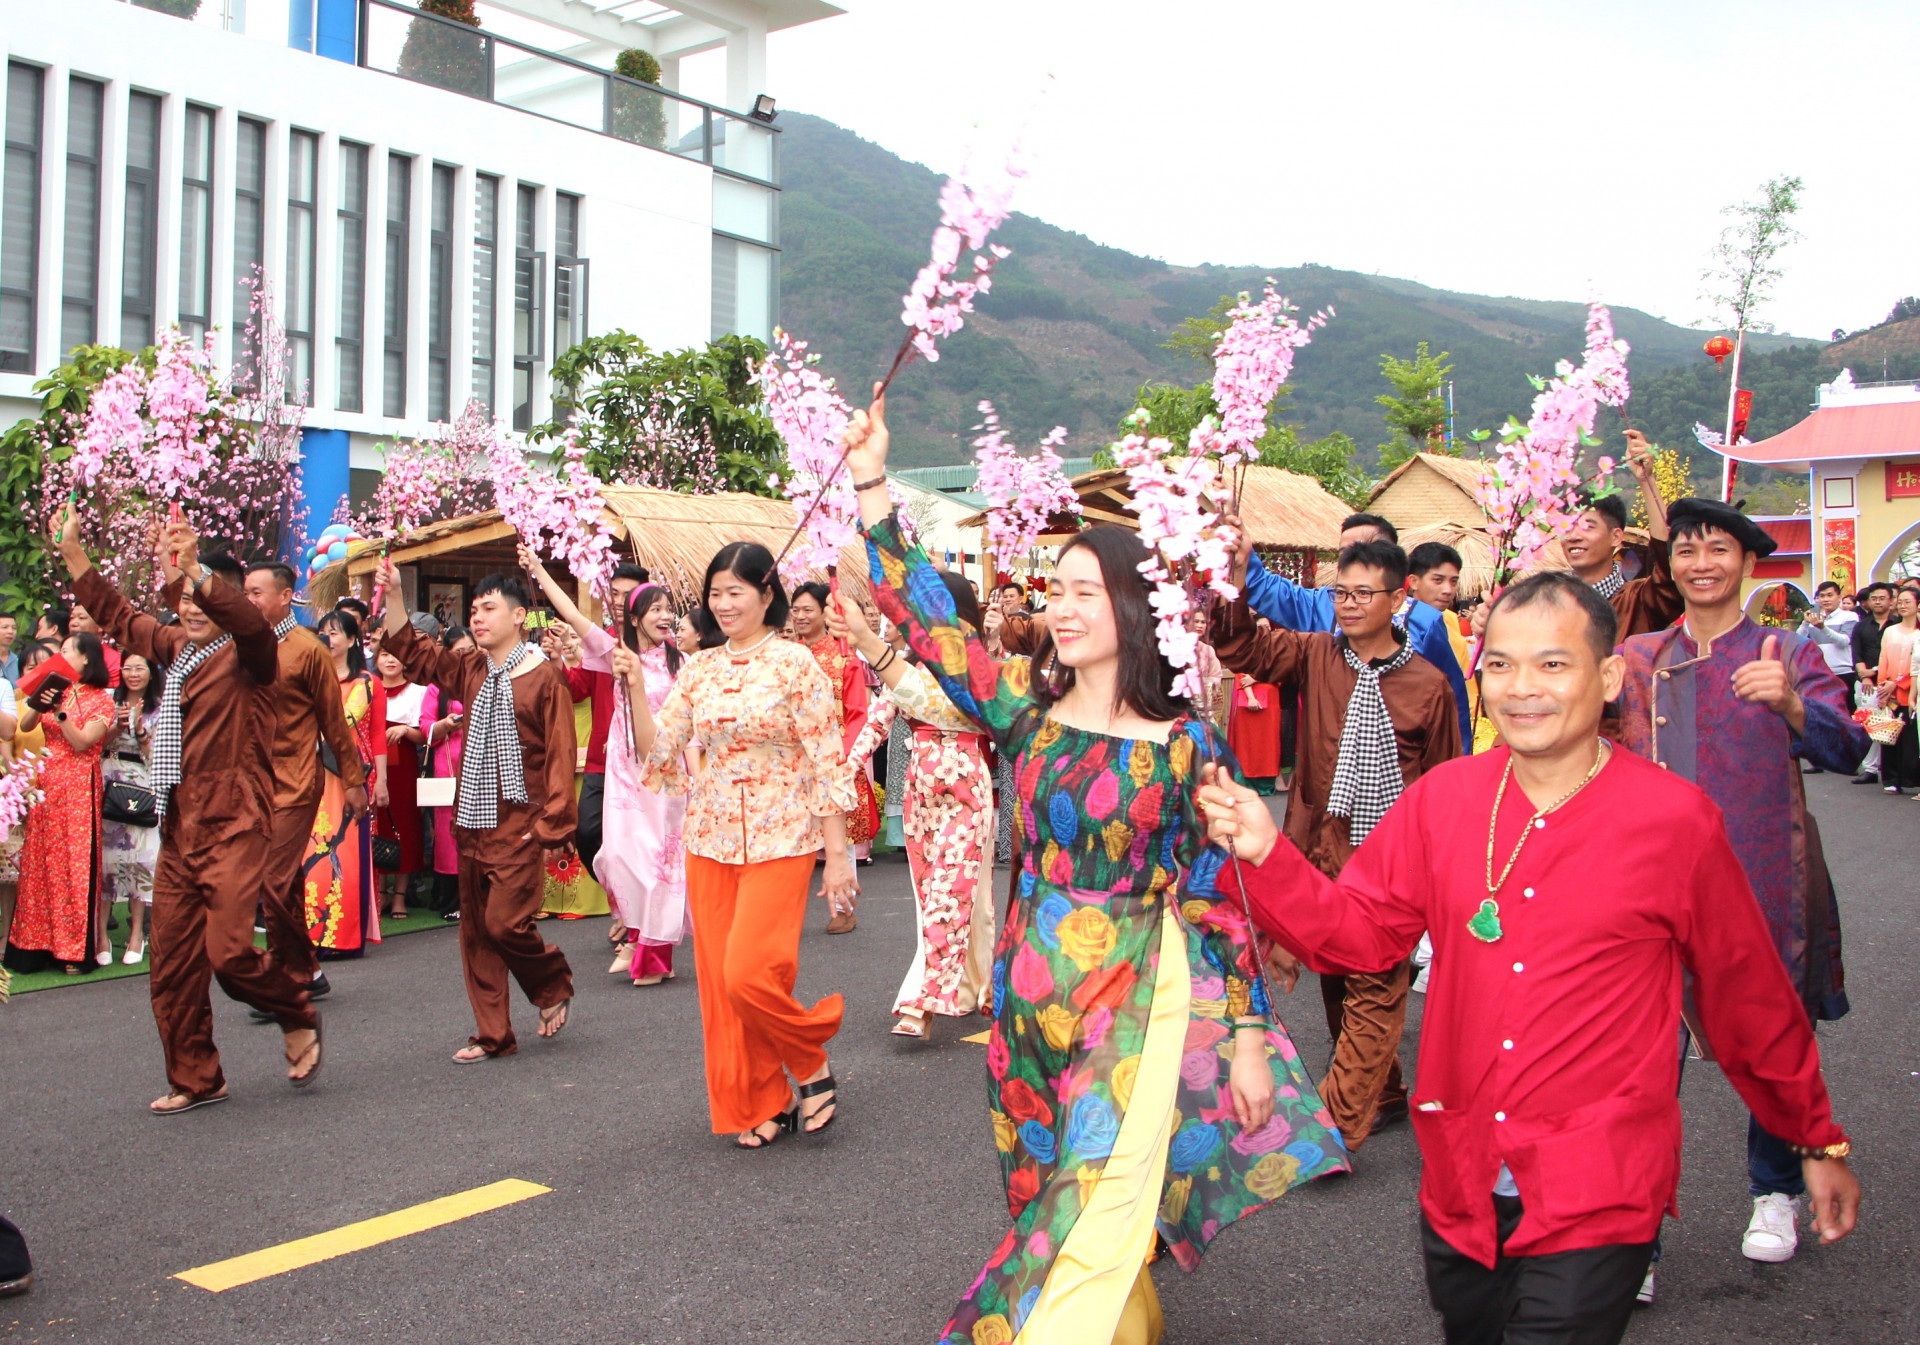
(342, 620)
(149, 698)
(752, 563)
(1144, 681)
(93, 659)
(639, 602)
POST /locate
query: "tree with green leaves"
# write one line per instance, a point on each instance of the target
(442, 55)
(688, 420)
(25, 451)
(1174, 413)
(1415, 412)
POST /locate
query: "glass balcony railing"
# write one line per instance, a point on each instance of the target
(400, 40)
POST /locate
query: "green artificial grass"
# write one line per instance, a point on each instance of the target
(52, 980)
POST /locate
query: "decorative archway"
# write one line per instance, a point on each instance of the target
(1882, 567)
(1769, 602)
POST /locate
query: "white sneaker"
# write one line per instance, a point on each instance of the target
(1772, 1234)
(1645, 1297)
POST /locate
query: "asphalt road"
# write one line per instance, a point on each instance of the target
(658, 1232)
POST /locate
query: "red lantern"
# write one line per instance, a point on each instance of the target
(1719, 347)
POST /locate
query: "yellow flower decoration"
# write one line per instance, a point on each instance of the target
(1048, 735)
(1004, 1134)
(1140, 763)
(1058, 1026)
(1119, 839)
(953, 649)
(1208, 1008)
(1195, 911)
(1173, 1206)
(1124, 1074)
(1273, 1175)
(992, 1331)
(1087, 936)
(1180, 756)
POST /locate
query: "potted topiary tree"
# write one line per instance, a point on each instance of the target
(442, 55)
(639, 115)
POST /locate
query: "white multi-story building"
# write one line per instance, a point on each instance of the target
(438, 209)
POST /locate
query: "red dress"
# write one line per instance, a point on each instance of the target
(849, 678)
(1253, 728)
(60, 860)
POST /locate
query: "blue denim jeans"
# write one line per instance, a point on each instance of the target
(1772, 1168)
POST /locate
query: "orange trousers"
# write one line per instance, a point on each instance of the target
(746, 950)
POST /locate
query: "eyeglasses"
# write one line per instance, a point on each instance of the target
(1361, 596)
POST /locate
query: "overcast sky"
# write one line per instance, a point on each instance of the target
(1537, 149)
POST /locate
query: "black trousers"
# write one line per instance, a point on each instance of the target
(14, 1261)
(1569, 1298)
(586, 840)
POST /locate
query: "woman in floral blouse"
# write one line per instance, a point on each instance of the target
(774, 785)
(1138, 1084)
(948, 820)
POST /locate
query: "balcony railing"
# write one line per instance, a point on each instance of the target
(403, 41)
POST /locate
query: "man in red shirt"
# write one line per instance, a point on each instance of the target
(1547, 1114)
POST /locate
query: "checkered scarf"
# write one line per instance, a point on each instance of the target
(167, 731)
(490, 766)
(1612, 583)
(1366, 777)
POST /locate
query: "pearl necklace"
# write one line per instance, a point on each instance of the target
(742, 653)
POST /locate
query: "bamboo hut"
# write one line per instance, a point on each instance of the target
(1292, 518)
(1430, 490)
(1477, 558)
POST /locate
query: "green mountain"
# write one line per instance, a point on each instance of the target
(1073, 327)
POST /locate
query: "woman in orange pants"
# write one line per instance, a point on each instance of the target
(774, 787)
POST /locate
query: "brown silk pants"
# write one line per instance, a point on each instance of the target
(201, 928)
(746, 949)
(498, 937)
(1366, 1013)
(283, 898)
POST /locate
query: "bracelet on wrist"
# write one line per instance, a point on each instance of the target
(1840, 1150)
(879, 480)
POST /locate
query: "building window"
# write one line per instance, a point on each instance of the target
(249, 238)
(529, 306)
(569, 275)
(140, 256)
(399, 245)
(349, 345)
(80, 261)
(440, 296)
(743, 288)
(20, 250)
(486, 279)
(303, 194)
(196, 224)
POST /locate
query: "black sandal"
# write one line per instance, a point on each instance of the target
(815, 1089)
(786, 1123)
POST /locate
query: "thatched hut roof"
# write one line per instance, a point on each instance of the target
(1476, 553)
(1429, 489)
(1280, 508)
(673, 535)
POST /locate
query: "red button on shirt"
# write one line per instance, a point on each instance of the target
(1553, 1048)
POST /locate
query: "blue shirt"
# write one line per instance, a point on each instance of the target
(1292, 607)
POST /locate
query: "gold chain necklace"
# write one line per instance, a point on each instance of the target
(1600, 755)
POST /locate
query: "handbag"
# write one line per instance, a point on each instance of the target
(130, 805)
(386, 854)
(1882, 725)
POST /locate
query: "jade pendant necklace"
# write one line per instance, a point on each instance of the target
(1485, 924)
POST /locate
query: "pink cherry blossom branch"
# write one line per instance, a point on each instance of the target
(1022, 493)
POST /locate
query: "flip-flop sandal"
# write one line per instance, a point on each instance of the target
(561, 1013)
(192, 1102)
(460, 1057)
(319, 1056)
(831, 1106)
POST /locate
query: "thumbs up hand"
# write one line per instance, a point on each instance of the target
(1767, 681)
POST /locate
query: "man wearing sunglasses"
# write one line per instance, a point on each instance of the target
(1374, 717)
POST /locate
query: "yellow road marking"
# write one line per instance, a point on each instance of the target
(223, 1275)
(979, 1038)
